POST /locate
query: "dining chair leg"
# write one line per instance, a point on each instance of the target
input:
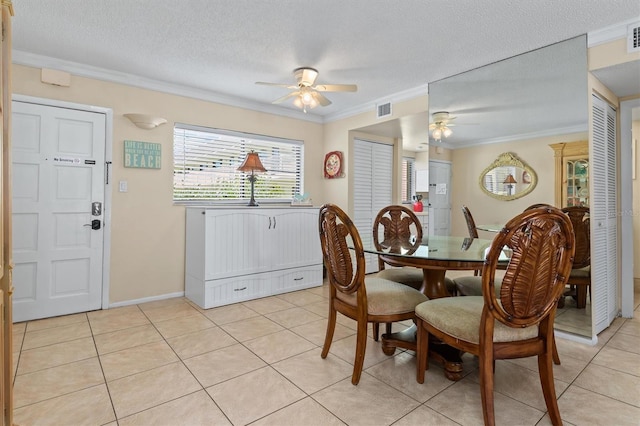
(422, 350)
(487, 364)
(388, 328)
(331, 326)
(545, 370)
(376, 331)
(361, 346)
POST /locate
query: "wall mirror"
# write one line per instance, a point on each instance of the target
(508, 178)
(540, 93)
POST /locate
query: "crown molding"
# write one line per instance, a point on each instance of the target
(371, 106)
(88, 71)
(514, 138)
(610, 33)
(82, 70)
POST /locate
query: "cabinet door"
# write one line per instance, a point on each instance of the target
(236, 243)
(294, 240)
(576, 184)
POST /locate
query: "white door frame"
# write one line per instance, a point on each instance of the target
(626, 208)
(108, 158)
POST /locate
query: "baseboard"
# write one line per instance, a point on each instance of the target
(146, 299)
(575, 338)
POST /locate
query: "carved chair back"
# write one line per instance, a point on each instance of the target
(401, 229)
(471, 224)
(579, 217)
(541, 245)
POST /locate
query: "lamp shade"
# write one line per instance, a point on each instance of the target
(252, 163)
(510, 179)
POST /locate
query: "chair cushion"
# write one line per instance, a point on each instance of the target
(580, 273)
(406, 275)
(472, 285)
(413, 277)
(386, 297)
(460, 317)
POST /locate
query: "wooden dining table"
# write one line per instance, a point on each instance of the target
(435, 255)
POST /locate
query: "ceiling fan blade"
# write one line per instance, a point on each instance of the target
(288, 86)
(322, 100)
(336, 87)
(285, 97)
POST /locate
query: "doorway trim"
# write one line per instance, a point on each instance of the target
(108, 158)
(626, 208)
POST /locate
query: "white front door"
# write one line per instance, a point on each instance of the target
(58, 203)
(439, 198)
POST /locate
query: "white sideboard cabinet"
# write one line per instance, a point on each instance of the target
(238, 254)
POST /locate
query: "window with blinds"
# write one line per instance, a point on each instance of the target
(205, 163)
(408, 173)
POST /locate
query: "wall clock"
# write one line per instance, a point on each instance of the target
(333, 165)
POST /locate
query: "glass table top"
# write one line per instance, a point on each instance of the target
(463, 249)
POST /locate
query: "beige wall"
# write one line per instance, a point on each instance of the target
(339, 135)
(147, 247)
(468, 164)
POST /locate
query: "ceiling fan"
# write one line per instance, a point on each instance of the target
(441, 123)
(305, 94)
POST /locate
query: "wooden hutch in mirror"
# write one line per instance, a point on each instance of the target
(572, 173)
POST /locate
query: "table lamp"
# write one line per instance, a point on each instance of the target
(252, 164)
(510, 181)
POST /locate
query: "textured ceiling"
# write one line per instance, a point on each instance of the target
(218, 49)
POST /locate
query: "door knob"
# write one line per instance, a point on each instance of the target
(95, 224)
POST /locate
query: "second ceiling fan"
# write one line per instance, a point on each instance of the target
(307, 95)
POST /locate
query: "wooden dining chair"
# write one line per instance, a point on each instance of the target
(471, 227)
(363, 299)
(580, 277)
(398, 223)
(517, 322)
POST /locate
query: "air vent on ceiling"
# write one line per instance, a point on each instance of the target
(633, 37)
(383, 110)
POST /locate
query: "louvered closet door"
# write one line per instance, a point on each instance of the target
(372, 180)
(604, 221)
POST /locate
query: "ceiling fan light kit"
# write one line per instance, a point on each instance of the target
(440, 125)
(305, 95)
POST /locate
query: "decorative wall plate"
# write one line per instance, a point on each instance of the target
(333, 165)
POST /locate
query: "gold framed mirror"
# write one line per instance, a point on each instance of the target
(508, 178)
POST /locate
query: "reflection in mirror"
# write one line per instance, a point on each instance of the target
(508, 178)
(542, 93)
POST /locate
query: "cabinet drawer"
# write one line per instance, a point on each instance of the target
(237, 289)
(297, 279)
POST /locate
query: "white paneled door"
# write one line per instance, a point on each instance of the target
(439, 198)
(58, 204)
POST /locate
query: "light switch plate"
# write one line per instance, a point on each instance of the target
(124, 187)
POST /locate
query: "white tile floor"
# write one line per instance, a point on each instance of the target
(258, 362)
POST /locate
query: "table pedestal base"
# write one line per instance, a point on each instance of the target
(448, 356)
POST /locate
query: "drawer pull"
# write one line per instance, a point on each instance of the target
(239, 289)
(298, 279)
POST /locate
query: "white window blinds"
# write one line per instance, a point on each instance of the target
(205, 163)
(408, 172)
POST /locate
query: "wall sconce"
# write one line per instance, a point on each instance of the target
(145, 121)
(510, 181)
(252, 164)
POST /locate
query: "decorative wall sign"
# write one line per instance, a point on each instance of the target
(142, 155)
(333, 165)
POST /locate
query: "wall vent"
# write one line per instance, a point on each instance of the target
(383, 110)
(633, 37)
